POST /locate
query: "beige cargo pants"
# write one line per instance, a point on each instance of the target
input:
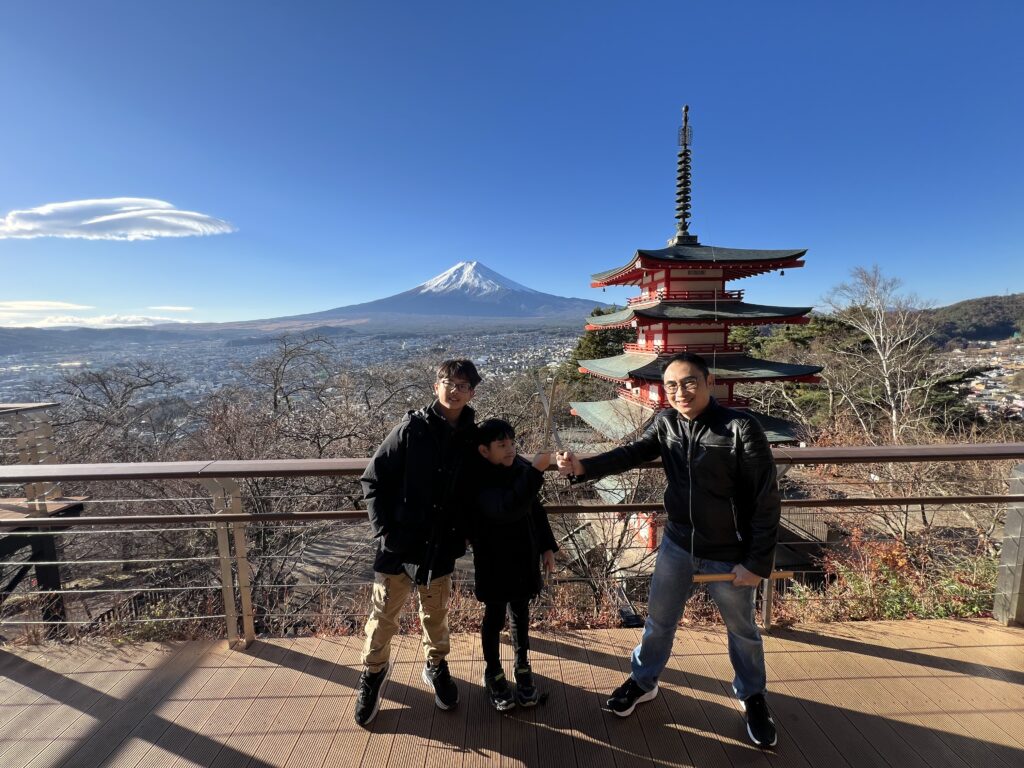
(387, 601)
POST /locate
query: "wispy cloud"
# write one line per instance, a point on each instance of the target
(8, 307)
(116, 218)
(12, 320)
(49, 314)
(169, 308)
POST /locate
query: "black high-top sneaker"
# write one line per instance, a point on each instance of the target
(446, 693)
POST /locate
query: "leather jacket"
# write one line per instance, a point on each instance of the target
(722, 497)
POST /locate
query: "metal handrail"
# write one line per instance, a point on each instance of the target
(195, 470)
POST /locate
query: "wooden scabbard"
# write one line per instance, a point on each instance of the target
(704, 578)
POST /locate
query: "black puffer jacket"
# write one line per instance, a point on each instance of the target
(722, 497)
(411, 488)
(509, 531)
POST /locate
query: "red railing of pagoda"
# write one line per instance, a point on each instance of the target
(673, 348)
(643, 399)
(661, 295)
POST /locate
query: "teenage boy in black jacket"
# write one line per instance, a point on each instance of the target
(412, 488)
(723, 511)
(511, 536)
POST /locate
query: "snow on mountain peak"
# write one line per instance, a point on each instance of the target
(473, 278)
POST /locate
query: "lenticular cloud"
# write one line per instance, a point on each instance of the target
(116, 218)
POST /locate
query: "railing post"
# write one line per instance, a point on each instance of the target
(1009, 601)
(244, 584)
(223, 493)
(767, 596)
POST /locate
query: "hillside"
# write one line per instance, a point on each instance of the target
(988, 318)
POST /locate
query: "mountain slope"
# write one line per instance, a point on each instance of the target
(989, 318)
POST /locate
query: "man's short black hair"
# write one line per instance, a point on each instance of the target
(492, 430)
(688, 357)
(459, 369)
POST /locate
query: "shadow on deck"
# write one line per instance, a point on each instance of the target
(903, 694)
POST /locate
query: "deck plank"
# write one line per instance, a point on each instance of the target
(943, 694)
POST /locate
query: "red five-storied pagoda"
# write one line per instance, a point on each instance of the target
(684, 305)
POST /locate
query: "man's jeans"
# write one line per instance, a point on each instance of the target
(671, 585)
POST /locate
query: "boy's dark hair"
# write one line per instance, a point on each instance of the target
(459, 369)
(490, 430)
(688, 357)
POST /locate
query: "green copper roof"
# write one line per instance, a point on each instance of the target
(620, 419)
(731, 367)
(615, 419)
(699, 311)
(700, 254)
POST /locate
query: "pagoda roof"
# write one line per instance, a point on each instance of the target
(619, 419)
(699, 312)
(754, 261)
(727, 367)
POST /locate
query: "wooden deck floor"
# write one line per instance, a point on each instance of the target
(902, 694)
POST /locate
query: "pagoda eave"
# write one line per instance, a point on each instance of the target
(732, 368)
(633, 272)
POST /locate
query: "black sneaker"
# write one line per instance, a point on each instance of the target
(625, 698)
(499, 692)
(446, 694)
(368, 698)
(760, 725)
(526, 691)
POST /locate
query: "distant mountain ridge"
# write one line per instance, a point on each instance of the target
(465, 297)
(470, 290)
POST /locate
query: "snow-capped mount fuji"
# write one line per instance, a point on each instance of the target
(467, 290)
(472, 278)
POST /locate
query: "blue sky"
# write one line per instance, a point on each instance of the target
(337, 152)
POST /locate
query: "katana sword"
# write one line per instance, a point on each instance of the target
(545, 404)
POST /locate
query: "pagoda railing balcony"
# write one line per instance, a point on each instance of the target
(671, 349)
(634, 395)
(662, 295)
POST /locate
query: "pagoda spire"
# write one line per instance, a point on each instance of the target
(683, 236)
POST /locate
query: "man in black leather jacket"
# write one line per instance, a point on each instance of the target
(723, 510)
(412, 492)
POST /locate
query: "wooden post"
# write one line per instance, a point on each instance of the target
(227, 583)
(244, 585)
(767, 595)
(44, 549)
(1009, 600)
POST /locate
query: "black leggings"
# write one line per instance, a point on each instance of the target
(494, 622)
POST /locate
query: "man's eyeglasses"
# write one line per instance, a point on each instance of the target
(689, 384)
(456, 386)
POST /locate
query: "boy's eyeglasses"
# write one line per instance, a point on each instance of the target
(688, 384)
(456, 386)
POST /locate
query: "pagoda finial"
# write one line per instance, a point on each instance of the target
(683, 236)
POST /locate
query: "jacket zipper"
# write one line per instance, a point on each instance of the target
(735, 519)
(689, 490)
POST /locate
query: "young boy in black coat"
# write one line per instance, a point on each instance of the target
(511, 537)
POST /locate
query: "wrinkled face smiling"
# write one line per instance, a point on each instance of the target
(686, 388)
(453, 394)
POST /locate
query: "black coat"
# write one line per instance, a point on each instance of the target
(411, 487)
(722, 497)
(509, 531)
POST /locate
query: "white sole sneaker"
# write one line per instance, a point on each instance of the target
(380, 696)
(750, 733)
(437, 699)
(646, 697)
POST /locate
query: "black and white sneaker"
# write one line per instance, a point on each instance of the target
(625, 698)
(368, 696)
(760, 724)
(446, 693)
(499, 692)
(526, 690)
